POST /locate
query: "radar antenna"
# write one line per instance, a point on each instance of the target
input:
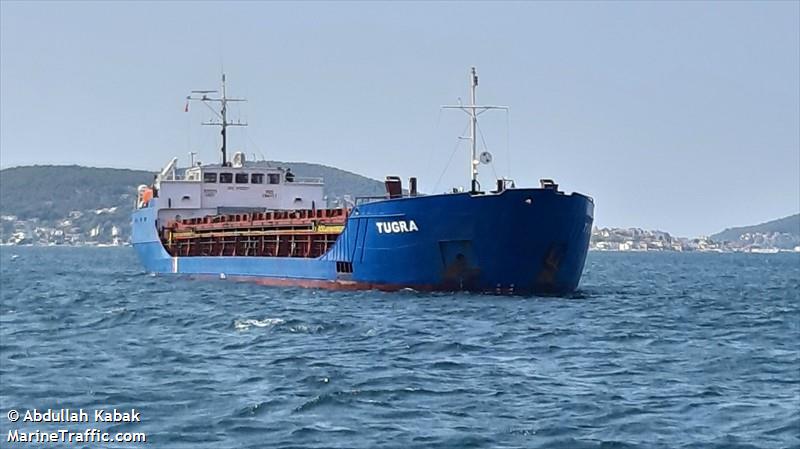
(222, 115)
(473, 111)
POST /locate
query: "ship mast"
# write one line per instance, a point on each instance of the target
(473, 127)
(222, 115)
(474, 110)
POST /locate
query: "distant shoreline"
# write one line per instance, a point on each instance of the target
(652, 251)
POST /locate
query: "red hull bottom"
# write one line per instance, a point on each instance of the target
(340, 285)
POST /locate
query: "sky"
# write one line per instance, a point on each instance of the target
(679, 116)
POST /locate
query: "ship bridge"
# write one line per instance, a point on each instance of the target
(242, 186)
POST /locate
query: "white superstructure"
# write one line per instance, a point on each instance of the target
(247, 186)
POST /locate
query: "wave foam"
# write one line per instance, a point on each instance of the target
(243, 325)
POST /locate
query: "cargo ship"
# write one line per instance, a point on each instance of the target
(251, 221)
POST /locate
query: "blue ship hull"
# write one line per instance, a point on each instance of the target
(521, 241)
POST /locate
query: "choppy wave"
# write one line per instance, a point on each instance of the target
(655, 350)
(245, 324)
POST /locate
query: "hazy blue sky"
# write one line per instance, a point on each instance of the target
(679, 116)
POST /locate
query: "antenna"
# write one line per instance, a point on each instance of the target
(473, 110)
(202, 95)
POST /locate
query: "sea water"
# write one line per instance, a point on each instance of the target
(654, 350)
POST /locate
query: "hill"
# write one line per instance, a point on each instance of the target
(93, 204)
(786, 225)
(338, 183)
(783, 233)
(49, 192)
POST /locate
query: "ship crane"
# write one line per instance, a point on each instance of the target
(222, 115)
(474, 110)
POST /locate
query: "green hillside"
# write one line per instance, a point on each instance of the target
(787, 225)
(337, 182)
(50, 192)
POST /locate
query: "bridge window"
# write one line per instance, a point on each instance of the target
(274, 178)
(257, 178)
(225, 178)
(209, 177)
(241, 178)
